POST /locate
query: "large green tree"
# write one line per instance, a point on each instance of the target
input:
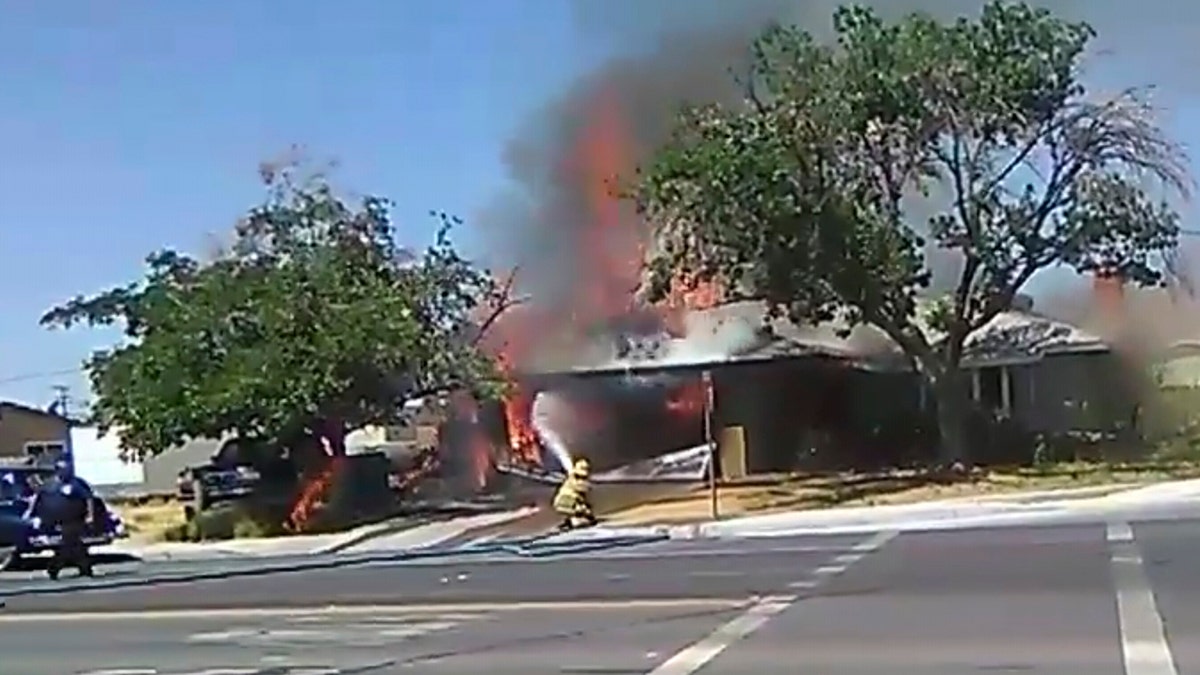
(804, 195)
(315, 321)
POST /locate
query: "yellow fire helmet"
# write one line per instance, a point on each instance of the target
(581, 468)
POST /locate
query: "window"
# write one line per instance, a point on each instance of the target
(45, 451)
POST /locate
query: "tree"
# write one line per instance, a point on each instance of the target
(314, 322)
(800, 197)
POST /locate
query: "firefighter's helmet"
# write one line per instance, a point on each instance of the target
(581, 468)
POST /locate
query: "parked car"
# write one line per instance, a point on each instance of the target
(21, 534)
(236, 471)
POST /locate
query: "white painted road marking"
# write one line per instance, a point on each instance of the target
(374, 610)
(697, 655)
(299, 670)
(844, 561)
(1143, 640)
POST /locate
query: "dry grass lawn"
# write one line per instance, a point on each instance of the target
(149, 520)
(771, 494)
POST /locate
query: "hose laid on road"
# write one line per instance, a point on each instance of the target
(527, 547)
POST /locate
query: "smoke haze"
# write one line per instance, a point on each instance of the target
(676, 51)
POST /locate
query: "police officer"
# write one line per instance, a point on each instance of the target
(66, 503)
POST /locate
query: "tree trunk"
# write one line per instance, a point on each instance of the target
(950, 395)
(332, 432)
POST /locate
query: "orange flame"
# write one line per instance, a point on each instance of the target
(608, 280)
(313, 495)
(518, 406)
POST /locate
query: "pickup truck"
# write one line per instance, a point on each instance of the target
(234, 472)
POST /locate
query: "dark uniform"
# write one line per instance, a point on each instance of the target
(65, 503)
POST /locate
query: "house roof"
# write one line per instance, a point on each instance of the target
(1021, 337)
(744, 331)
(28, 410)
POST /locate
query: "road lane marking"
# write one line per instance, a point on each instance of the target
(646, 553)
(699, 654)
(372, 610)
(1119, 532)
(1144, 643)
(275, 670)
(841, 563)
(875, 541)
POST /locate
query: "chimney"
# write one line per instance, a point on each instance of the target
(1108, 300)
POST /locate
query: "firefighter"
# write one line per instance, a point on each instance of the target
(66, 504)
(572, 500)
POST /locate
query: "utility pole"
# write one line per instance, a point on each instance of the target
(706, 381)
(62, 401)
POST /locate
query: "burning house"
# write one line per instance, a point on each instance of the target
(595, 372)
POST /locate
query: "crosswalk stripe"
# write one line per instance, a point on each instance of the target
(305, 629)
(299, 670)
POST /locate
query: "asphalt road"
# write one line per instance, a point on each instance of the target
(1062, 600)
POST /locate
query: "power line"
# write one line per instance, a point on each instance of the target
(38, 376)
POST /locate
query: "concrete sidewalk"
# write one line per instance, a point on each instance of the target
(1030, 508)
(397, 535)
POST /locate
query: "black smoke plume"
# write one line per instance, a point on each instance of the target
(672, 52)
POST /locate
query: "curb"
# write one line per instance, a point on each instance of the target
(957, 508)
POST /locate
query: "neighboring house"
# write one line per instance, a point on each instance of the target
(98, 460)
(161, 472)
(26, 431)
(1048, 375)
(1180, 366)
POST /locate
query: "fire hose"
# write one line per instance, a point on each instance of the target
(541, 546)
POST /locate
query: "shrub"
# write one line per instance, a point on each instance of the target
(225, 522)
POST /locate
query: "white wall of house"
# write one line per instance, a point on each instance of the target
(98, 459)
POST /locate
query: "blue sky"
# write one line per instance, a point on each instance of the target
(126, 126)
(132, 125)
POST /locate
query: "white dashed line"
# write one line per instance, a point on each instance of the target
(697, 655)
(849, 559)
(1143, 640)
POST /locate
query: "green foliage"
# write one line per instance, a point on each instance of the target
(801, 195)
(315, 317)
(226, 522)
